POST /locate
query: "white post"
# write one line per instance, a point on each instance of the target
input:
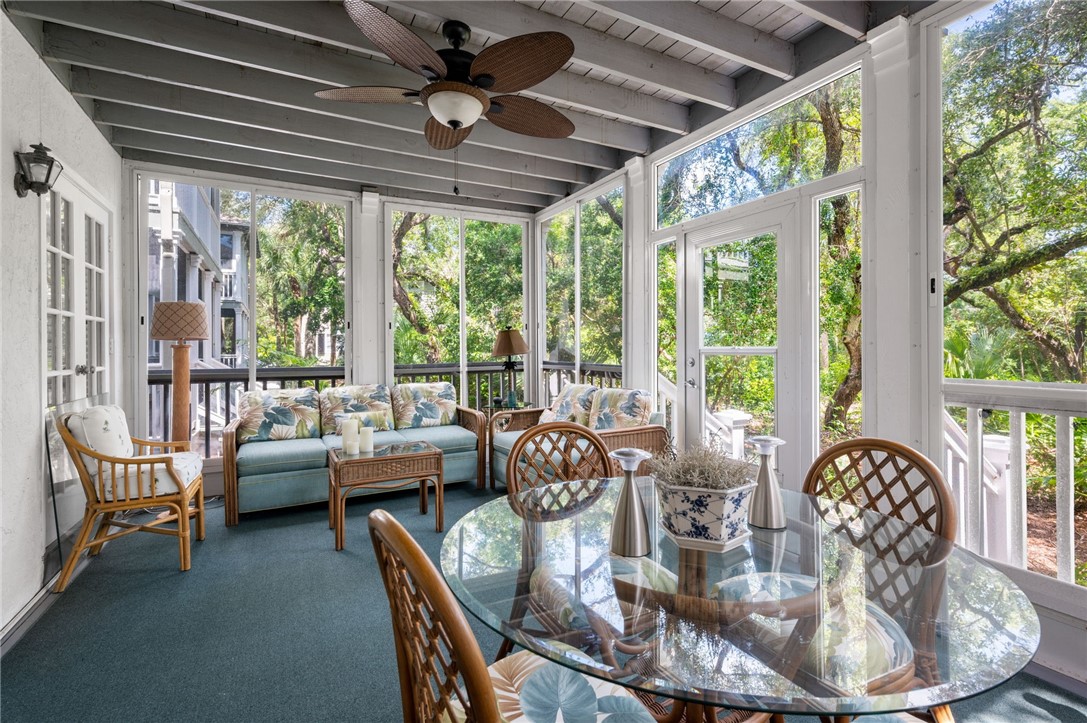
(370, 359)
(972, 492)
(894, 300)
(1017, 489)
(1066, 539)
(998, 527)
(639, 305)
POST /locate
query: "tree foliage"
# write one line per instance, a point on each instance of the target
(300, 276)
(1015, 193)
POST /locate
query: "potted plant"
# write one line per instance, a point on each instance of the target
(703, 496)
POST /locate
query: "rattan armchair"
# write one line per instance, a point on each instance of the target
(653, 438)
(556, 452)
(121, 484)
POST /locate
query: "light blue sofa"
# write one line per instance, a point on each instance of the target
(263, 471)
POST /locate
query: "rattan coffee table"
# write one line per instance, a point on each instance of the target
(409, 463)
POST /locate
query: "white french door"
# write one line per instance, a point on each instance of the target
(76, 293)
(743, 351)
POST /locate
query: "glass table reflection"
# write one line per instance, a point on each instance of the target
(845, 612)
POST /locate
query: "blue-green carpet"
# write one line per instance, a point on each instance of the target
(271, 624)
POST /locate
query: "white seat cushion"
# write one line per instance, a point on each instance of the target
(530, 688)
(187, 465)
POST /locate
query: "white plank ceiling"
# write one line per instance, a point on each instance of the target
(228, 85)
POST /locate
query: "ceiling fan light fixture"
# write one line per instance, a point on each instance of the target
(455, 105)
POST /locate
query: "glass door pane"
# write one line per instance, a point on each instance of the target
(739, 327)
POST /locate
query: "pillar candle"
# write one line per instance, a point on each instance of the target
(350, 428)
(366, 439)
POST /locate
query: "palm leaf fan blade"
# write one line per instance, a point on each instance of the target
(370, 94)
(403, 47)
(522, 62)
(442, 137)
(528, 117)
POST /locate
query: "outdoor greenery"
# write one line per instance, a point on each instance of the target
(1015, 210)
(300, 277)
(1015, 193)
(601, 279)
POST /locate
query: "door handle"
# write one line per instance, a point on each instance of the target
(691, 383)
(82, 369)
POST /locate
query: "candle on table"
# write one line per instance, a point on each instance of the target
(366, 439)
(350, 428)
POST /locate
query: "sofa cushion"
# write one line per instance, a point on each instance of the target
(450, 438)
(388, 436)
(286, 455)
(572, 405)
(372, 398)
(187, 465)
(503, 441)
(620, 409)
(278, 414)
(424, 405)
(104, 429)
(377, 421)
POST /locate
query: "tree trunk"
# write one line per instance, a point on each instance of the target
(849, 387)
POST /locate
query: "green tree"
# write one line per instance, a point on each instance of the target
(1015, 187)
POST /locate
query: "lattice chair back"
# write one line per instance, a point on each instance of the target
(442, 672)
(887, 477)
(556, 452)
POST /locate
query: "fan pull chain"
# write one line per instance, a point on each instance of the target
(456, 168)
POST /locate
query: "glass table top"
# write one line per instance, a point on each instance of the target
(846, 611)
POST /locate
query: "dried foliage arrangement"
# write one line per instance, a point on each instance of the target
(702, 466)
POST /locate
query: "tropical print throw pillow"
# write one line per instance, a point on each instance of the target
(432, 404)
(279, 414)
(572, 405)
(620, 408)
(371, 398)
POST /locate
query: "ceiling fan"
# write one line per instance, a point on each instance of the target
(458, 81)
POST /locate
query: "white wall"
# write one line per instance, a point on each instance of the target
(34, 107)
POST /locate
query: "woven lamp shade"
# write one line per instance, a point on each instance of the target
(181, 320)
(509, 343)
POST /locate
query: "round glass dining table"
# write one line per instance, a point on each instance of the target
(844, 612)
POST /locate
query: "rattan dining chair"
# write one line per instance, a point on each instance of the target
(898, 482)
(888, 477)
(556, 452)
(443, 676)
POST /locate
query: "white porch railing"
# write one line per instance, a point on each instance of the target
(988, 473)
(726, 428)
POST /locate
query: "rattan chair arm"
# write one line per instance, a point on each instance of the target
(111, 463)
(230, 472)
(181, 446)
(518, 420)
(472, 420)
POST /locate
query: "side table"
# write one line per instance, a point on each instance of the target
(410, 463)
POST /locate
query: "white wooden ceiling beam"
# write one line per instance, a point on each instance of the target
(325, 23)
(847, 16)
(707, 30)
(235, 170)
(593, 48)
(83, 48)
(192, 102)
(156, 121)
(192, 148)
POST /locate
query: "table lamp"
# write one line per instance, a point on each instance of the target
(510, 343)
(180, 321)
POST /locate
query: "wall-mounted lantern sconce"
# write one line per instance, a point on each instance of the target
(36, 171)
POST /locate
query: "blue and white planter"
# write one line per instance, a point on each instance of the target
(705, 519)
